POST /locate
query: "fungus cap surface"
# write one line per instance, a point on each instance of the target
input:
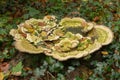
(69, 38)
(104, 33)
(25, 46)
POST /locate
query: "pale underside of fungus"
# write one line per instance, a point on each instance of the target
(69, 38)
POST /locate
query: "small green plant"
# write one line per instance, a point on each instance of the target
(17, 70)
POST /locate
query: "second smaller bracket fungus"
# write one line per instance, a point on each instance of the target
(69, 38)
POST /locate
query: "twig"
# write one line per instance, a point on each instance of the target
(51, 74)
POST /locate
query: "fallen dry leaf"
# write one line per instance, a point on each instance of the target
(97, 18)
(4, 67)
(104, 52)
(1, 60)
(27, 68)
(17, 73)
(1, 76)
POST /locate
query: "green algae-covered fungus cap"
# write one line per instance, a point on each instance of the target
(76, 23)
(105, 35)
(25, 46)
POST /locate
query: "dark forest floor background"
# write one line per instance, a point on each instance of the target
(101, 65)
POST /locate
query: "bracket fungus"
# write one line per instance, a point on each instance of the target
(65, 39)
